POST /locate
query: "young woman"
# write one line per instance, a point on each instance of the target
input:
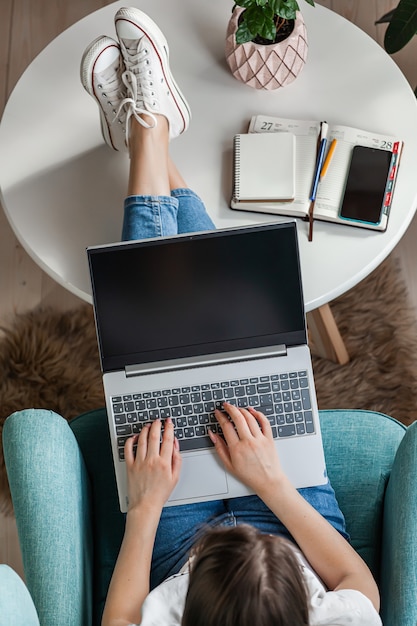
(278, 557)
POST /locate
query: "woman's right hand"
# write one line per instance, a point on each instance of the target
(247, 451)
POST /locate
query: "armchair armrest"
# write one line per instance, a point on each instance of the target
(360, 448)
(50, 493)
(399, 553)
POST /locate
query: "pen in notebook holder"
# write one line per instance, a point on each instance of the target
(328, 159)
(321, 149)
(320, 159)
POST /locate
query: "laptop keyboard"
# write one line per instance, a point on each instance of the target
(283, 398)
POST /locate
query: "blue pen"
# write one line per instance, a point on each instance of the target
(320, 159)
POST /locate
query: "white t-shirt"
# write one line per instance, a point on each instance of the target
(165, 604)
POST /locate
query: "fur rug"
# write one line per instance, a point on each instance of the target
(50, 360)
(379, 327)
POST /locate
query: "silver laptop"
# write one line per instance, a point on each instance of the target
(186, 322)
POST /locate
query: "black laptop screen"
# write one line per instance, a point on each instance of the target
(197, 294)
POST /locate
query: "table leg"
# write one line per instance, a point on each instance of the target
(326, 340)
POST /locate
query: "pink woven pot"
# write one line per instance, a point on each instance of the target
(267, 66)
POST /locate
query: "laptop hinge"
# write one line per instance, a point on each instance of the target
(205, 360)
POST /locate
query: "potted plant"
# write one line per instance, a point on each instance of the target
(266, 42)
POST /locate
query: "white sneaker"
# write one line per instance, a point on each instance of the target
(101, 75)
(150, 85)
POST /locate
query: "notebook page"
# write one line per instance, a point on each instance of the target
(306, 134)
(264, 167)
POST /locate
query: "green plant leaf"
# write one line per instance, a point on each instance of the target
(245, 3)
(287, 14)
(286, 9)
(258, 17)
(268, 30)
(243, 34)
(260, 21)
(403, 26)
(292, 4)
(275, 6)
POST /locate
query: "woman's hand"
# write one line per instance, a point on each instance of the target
(249, 452)
(155, 469)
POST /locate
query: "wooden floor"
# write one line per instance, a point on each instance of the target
(26, 27)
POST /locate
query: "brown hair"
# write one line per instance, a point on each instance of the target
(241, 577)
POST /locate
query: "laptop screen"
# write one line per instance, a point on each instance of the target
(197, 294)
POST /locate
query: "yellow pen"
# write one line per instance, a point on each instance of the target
(328, 159)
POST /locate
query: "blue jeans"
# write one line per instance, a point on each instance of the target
(156, 216)
(160, 216)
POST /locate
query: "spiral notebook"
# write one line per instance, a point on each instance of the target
(264, 168)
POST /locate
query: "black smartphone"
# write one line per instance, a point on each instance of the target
(366, 185)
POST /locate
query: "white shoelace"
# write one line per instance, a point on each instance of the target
(134, 103)
(111, 93)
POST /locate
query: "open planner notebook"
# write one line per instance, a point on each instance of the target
(331, 189)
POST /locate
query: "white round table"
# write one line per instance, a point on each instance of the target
(63, 188)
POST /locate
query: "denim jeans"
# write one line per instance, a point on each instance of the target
(161, 216)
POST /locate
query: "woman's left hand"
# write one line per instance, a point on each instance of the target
(155, 469)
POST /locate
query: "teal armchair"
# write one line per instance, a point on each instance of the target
(70, 530)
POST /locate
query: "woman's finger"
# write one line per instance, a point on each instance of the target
(142, 448)
(167, 444)
(154, 438)
(238, 418)
(176, 460)
(260, 421)
(251, 421)
(226, 425)
(245, 422)
(221, 449)
(129, 449)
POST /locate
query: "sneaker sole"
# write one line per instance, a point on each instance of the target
(88, 61)
(148, 27)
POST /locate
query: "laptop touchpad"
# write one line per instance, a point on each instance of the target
(201, 475)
